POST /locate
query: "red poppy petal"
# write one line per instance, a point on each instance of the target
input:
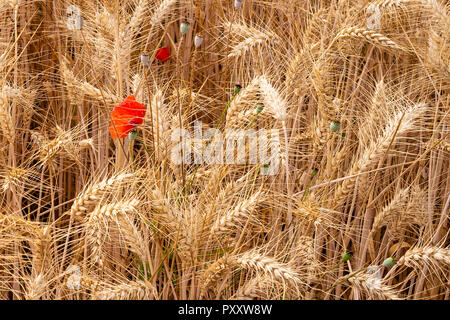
(129, 98)
(120, 115)
(126, 116)
(132, 107)
(163, 54)
(123, 129)
(136, 121)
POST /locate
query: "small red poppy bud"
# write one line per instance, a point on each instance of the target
(163, 54)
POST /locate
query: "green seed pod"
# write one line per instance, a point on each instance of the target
(265, 169)
(132, 135)
(184, 27)
(259, 108)
(346, 256)
(389, 262)
(237, 89)
(335, 126)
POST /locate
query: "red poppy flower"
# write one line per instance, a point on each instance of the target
(163, 54)
(125, 117)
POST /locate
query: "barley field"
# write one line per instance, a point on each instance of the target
(100, 197)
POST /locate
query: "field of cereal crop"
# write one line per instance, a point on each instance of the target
(224, 149)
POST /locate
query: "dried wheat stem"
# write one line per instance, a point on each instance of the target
(215, 272)
(133, 290)
(89, 198)
(417, 257)
(373, 287)
(6, 123)
(269, 266)
(244, 99)
(236, 217)
(40, 248)
(370, 35)
(37, 286)
(86, 88)
(256, 288)
(98, 222)
(405, 208)
(401, 123)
